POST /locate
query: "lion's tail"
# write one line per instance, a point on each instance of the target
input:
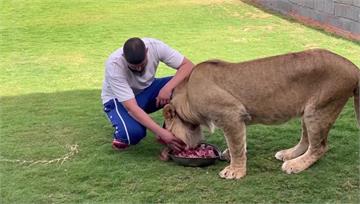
(357, 101)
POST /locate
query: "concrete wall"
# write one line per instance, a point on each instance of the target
(342, 14)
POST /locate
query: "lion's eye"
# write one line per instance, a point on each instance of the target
(193, 127)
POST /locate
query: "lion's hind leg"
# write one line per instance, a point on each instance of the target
(297, 150)
(318, 122)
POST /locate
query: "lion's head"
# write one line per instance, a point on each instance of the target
(189, 133)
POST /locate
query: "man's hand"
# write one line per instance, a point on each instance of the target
(164, 135)
(167, 138)
(164, 97)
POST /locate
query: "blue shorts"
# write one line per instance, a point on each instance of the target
(127, 129)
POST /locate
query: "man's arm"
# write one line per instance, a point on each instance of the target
(183, 71)
(136, 112)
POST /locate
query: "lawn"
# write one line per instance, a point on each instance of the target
(55, 139)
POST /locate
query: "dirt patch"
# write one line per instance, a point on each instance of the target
(207, 2)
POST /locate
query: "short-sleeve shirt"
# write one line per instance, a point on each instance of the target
(123, 84)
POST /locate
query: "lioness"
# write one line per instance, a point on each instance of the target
(313, 84)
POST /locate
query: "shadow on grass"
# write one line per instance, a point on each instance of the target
(41, 125)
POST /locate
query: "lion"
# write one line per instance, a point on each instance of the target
(313, 84)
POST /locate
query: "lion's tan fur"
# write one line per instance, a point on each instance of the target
(313, 84)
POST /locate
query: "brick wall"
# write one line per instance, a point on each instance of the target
(343, 15)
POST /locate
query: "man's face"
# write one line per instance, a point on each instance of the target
(138, 68)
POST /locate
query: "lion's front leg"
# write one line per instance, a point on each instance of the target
(235, 136)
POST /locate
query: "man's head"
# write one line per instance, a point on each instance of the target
(135, 54)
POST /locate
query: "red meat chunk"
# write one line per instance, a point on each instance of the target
(202, 151)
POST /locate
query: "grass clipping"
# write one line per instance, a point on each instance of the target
(74, 149)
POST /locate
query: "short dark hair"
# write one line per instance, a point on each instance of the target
(134, 50)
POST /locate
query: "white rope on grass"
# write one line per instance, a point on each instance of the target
(74, 149)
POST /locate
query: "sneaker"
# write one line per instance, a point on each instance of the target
(118, 145)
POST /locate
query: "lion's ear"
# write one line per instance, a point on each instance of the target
(169, 111)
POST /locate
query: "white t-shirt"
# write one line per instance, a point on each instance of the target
(123, 84)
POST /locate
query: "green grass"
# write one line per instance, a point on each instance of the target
(51, 61)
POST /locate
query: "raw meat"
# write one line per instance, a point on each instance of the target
(202, 151)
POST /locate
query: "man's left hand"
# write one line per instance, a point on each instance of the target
(164, 97)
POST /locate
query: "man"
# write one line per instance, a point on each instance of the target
(131, 91)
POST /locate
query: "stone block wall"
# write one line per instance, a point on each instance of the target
(339, 16)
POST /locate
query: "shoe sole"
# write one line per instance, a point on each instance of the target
(118, 149)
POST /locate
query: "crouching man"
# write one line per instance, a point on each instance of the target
(130, 90)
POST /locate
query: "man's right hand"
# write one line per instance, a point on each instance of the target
(167, 138)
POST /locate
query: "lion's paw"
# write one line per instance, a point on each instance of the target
(232, 173)
(292, 167)
(282, 155)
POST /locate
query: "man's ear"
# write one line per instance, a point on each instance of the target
(169, 111)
